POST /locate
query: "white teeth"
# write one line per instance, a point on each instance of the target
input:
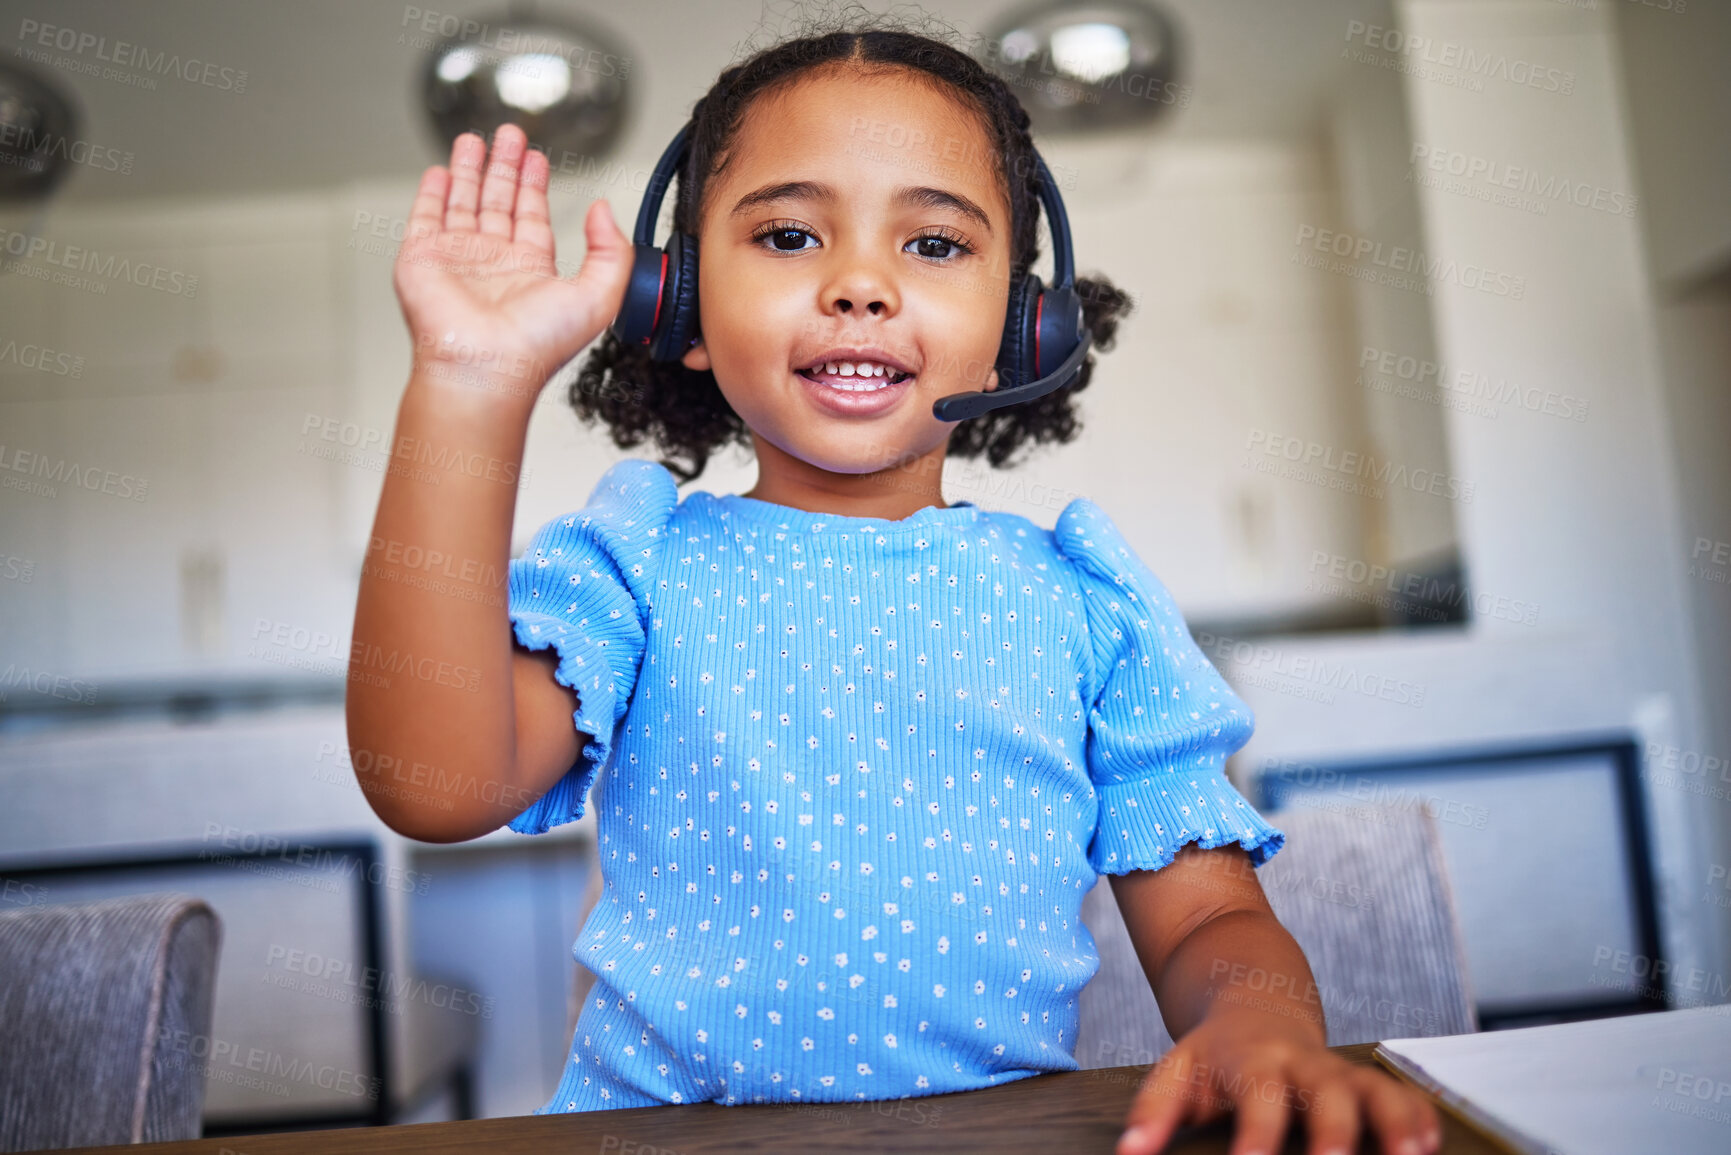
(862, 371)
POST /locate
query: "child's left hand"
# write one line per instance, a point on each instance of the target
(1236, 1060)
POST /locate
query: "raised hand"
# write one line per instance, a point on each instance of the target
(475, 274)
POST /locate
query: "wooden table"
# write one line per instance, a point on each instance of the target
(1070, 1113)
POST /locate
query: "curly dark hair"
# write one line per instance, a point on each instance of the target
(683, 410)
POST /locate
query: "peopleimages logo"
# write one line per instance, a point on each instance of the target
(1372, 791)
(1410, 592)
(322, 860)
(124, 54)
(42, 359)
(270, 1071)
(1456, 57)
(523, 43)
(1352, 464)
(1520, 179)
(53, 472)
(329, 977)
(1256, 662)
(142, 273)
(54, 685)
(1399, 259)
(1470, 384)
(26, 146)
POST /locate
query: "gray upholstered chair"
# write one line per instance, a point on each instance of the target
(1366, 894)
(106, 1010)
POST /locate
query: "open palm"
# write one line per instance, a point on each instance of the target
(475, 274)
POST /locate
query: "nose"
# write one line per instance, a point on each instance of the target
(860, 288)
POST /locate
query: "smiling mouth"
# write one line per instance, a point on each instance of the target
(854, 377)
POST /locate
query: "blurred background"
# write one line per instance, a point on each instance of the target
(1421, 415)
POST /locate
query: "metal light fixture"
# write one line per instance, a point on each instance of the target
(1080, 67)
(565, 84)
(38, 136)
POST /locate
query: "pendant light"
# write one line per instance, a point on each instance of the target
(1081, 67)
(564, 82)
(38, 135)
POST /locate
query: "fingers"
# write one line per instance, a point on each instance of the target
(533, 226)
(1263, 1114)
(1403, 1120)
(467, 152)
(499, 189)
(1160, 1108)
(1335, 1098)
(1333, 1117)
(607, 263)
(427, 215)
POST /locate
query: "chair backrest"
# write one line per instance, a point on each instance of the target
(1365, 892)
(107, 1009)
(268, 786)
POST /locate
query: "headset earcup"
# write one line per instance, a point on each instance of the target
(1058, 318)
(1015, 353)
(679, 309)
(640, 312)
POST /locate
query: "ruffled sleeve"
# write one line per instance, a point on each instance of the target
(582, 587)
(1161, 719)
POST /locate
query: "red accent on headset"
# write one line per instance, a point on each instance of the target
(1039, 305)
(662, 284)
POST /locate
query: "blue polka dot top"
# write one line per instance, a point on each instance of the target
(852, 778)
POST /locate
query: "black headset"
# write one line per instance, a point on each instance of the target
(1044, 338)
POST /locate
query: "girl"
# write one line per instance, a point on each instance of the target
(857, 752)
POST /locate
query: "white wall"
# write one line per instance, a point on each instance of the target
(1679, 97)
(1581, 517)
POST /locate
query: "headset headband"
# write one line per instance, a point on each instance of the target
(665, 170)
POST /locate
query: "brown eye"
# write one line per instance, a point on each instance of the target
(785, 239)
(936, 247)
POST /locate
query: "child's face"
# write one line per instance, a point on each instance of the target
(813, 238)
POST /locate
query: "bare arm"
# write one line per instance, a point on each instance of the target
(454, 728)
(1195, 920)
